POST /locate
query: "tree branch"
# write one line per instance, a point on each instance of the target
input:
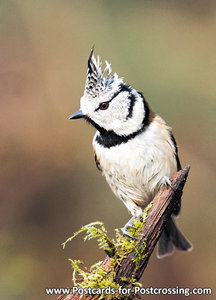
(162, 207)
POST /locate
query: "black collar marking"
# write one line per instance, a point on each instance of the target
(110, 139)
(133, 99)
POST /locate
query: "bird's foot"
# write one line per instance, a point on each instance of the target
(167, 182)
(127, 225)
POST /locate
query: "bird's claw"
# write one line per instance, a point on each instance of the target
(125, 232)
(128, 224)
(167, 182)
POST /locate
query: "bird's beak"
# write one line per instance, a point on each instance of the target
(77, 115)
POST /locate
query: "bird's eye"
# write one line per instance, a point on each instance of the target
(104, 105)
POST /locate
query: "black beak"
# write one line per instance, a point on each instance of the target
(77, 115)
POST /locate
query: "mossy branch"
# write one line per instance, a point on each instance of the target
(126, 258)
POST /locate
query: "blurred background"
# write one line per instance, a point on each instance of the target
(50, 186)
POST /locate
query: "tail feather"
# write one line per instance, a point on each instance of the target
(170, 237)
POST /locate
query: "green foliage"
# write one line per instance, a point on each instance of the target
(96, 230)
(96, 276)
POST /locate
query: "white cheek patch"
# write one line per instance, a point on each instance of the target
(133, 124)
(116, 114)
(119, 106)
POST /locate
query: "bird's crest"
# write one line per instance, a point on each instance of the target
(98, 80)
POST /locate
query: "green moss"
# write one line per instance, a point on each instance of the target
(96, 276)
(96, 230)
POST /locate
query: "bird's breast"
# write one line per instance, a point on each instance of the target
(135, 170)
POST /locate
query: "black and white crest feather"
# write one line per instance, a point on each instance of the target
(98, 80)
(127, 112)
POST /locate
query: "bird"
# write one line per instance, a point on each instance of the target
(134, 147)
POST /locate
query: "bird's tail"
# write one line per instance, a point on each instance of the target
(170, 237)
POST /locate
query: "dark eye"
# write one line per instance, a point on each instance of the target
(104, 105)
